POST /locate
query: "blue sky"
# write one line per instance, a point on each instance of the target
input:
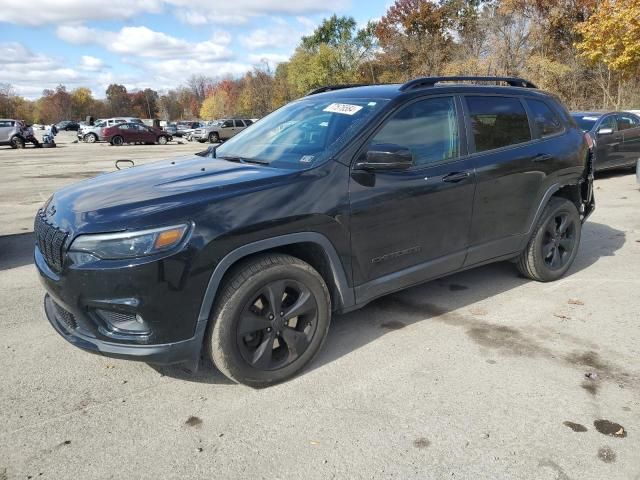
(153, 43)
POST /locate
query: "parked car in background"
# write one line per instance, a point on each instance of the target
(171, 129)
(616, 136)
(93, 133)
(11, 133)
(68, 125)
(134, 132)
(183, 128)
(221, 130)
(328, 203)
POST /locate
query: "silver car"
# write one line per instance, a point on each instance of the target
(221, 130)
(11, 133)
(93, 133)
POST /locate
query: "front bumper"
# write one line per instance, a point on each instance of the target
(185, 352)
(87, 305)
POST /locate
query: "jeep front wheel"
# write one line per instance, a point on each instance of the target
(270, 320)
(554, 243)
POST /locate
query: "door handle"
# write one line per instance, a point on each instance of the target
(542, 157)
(455, 177)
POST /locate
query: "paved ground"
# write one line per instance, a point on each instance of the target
(474, 376)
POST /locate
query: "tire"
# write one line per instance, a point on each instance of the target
(17, 142)
(554, 244)
(117, 141)
(90, 138)
(162, 140)
(274, 346)
(214, 137)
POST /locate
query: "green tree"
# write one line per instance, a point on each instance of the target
(118, 99)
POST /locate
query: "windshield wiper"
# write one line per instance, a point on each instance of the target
(243, 160)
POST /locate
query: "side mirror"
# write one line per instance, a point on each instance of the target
(385, 157)
(605, 131)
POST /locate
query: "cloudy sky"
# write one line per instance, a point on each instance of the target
(152, 43)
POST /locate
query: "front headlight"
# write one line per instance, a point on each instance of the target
(112, 246)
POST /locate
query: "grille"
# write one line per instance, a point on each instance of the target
(66, 317)
(117, 317)
(50, 240)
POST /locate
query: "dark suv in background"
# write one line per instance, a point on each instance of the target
(334, 200)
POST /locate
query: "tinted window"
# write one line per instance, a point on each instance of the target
(6, 123)
(228, 124)
(545, 120)
(627, 121)
(585, 122)
(247, 122)
(239, 123)
(428, 128)
(124, 126)
(498, 122)
(609, 122)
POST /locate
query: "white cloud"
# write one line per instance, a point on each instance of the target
(92, 63)
(194, 12)
(144, 42)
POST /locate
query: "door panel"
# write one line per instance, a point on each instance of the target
(510, 172)
(608, 145)
(629, 126)
(413, 224)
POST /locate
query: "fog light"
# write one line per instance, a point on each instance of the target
(128, 323)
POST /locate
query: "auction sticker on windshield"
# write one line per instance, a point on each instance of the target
(343, 108)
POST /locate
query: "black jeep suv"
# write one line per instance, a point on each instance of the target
(338, 198)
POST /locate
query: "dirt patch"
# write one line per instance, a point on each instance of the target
(193, 421)
(421, 443)
(606, 454)
(612, 429)
(576, 427)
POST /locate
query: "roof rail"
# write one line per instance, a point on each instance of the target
(330, 88)
(431, 81)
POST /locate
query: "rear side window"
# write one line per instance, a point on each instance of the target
(497, 122)
(428, 128)
(239, 123)
(545, 120)
(627, 121)
(6, 123)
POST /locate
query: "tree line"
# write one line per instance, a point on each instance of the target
(587, 52)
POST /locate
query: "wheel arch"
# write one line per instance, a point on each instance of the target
(311, 247)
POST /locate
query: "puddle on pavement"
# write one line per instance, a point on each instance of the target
(576, 427)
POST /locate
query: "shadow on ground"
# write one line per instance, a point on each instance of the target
(16, 250)
(440, 300)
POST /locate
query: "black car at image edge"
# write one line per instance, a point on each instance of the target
(352, 192)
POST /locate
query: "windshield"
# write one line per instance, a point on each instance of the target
(585, 122)
(301, 133)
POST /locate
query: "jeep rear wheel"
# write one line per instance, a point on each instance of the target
(214, 137)
(271, 320)
(554, 244)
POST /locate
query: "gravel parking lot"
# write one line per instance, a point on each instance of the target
(480, 375)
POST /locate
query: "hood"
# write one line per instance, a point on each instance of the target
(138, 196)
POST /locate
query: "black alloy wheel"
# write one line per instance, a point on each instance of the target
(277, 325)
(559, 241)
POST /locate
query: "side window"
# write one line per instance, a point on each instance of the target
(123, 126)
(609, 122)
(545, 120)
(248, 122)
(497, 122)
(428, 128)
(228, 124)
(239, 123)
(627, 121)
